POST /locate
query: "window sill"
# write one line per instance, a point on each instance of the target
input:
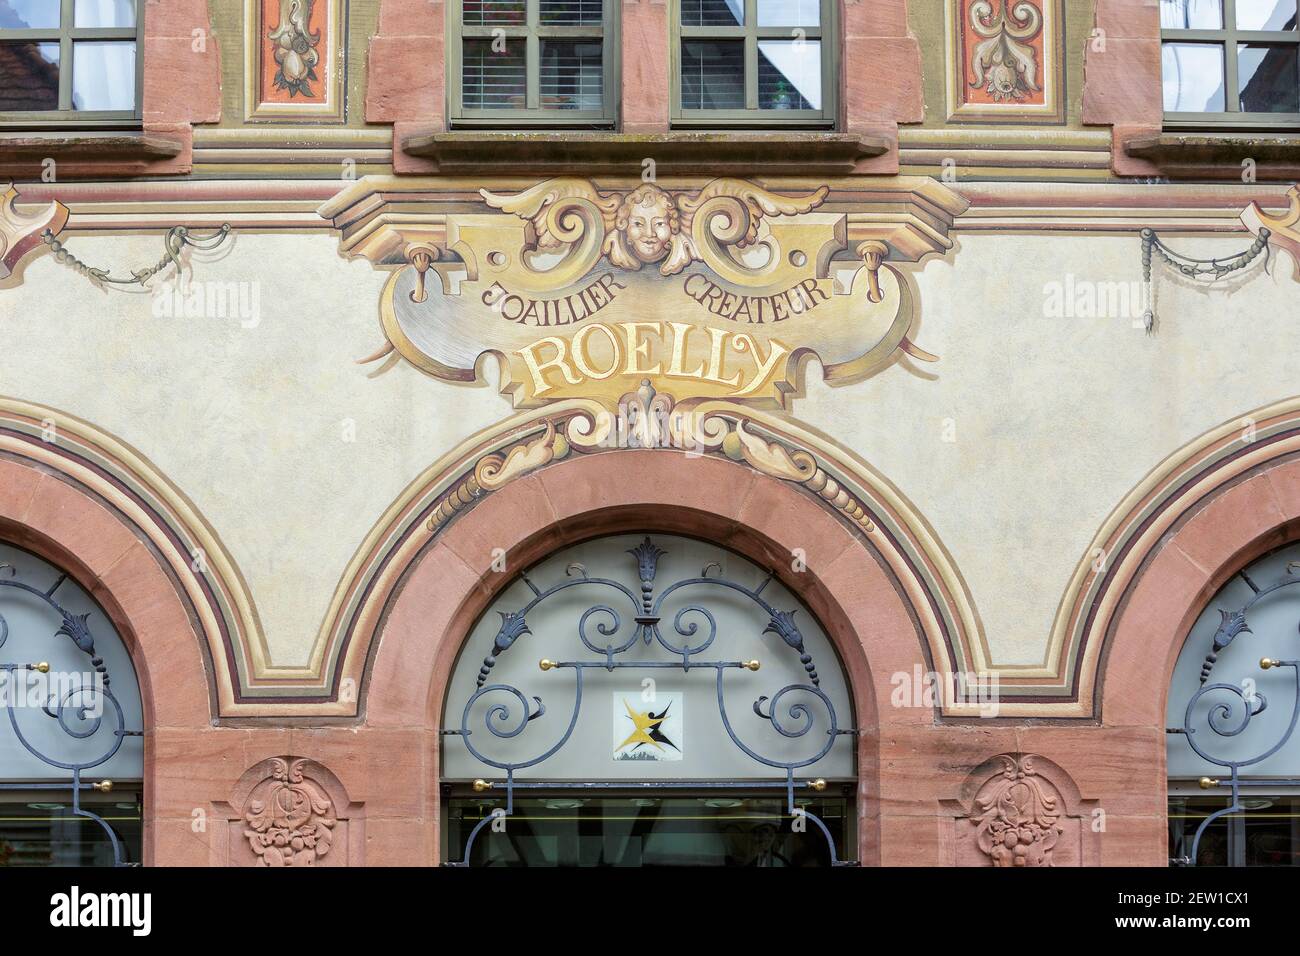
(716, 153)
(86, 152)
(1219, 155)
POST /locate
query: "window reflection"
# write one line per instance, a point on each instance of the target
(718, 828)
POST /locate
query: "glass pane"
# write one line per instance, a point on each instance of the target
(570, 13)
(570, 75)
(1191, 15)
(1269, 78)
(713, 13)
(29, 76)
(491, 80)
(1266, 14)
(1193, 77)
(789, 75)
(719, 828)
(789, 13)
(1185, 815)
(29, 14)
(103, 75)
(38, 828)
(104, 13)
(713, 74)
(1271, 831)
(493, 12)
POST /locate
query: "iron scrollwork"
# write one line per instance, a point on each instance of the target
(1231, 717)
(694, 629)
(81, 711)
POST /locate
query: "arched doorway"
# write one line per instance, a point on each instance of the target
(1233, 705)
(71, 747)
(648, 700)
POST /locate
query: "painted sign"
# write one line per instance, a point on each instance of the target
(723, 292)
(648, 729)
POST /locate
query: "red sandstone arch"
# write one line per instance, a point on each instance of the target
(73, 527)
(1229, 522)
(447, 587)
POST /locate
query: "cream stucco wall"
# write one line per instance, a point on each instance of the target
(1031, 430)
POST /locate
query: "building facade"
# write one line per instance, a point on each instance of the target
(649, 432)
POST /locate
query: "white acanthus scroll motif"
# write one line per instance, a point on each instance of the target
(1003, 62)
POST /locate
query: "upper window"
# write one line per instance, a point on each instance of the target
(69, 62)
(1230, 62)
(754, 63)
(532, 62)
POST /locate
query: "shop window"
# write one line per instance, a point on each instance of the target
(71, 751)
(533, 63)
(1232, 63)
(754, 63)
(1234, 756)
(648, 700)
(70, 63)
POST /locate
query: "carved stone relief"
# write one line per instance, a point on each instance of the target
(1019, 809)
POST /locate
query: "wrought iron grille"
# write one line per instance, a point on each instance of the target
(1230, 716)
(81, 709)
(789, 710)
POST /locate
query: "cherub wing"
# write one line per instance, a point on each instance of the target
(748, 205)
(546, 204)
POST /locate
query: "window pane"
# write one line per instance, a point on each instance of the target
(493, 12)
(722, 828)
(1193, 77)
(38, 828)
(1266, 14)
(713, 13)
(570, 13)
(1269, 78)
(104, 13)
(29, 14)
(103, 75)
(29, 76)
(570, 75)
(1191, 15)
(789, 75)
(713, 74)
(789, 13)
(493, 81)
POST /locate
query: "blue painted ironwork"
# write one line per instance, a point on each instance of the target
(72, 711)
(1223, 719)
(501, 722)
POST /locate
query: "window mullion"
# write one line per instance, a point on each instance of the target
(751, 54)
(532, 58)
(65, 55)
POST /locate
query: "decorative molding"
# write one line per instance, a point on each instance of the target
(735, 153)
(1006, 61)
(21, 232)
(290, 811)
(1020, 809)
(382, 218)
(1283, 231)
(1135, 531)
(294, 61)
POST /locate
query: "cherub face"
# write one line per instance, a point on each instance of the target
(648, 230)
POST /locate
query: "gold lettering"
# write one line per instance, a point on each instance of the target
(717, 339)
(680, 332)
(531, 353)
(744, 342)
(582, 356)
(637, 349)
